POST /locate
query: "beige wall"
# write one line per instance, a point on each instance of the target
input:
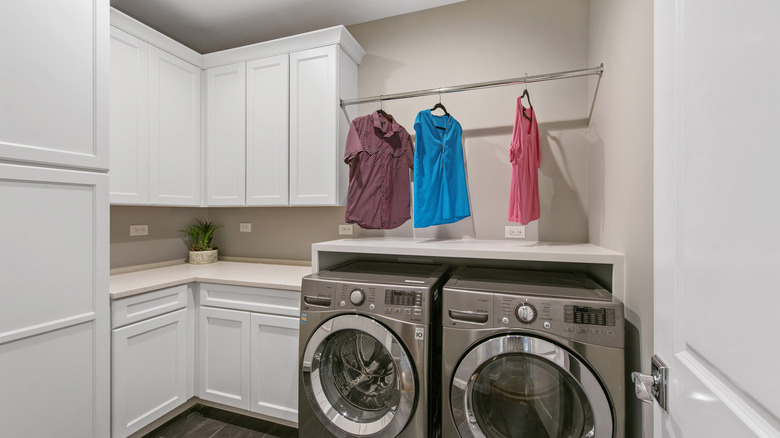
(472, 41)
(620, 161)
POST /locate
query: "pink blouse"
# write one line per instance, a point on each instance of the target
(526, 157)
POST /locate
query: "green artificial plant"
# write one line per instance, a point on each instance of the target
(201, 234)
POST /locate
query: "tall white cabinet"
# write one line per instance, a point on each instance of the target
(54, 317)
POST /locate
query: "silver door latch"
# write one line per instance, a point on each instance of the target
(653, 386)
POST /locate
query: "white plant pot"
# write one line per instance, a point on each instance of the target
(203, 257)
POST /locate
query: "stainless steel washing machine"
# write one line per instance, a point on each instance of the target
(531, 354)
(366, 368)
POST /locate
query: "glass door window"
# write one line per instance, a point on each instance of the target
(359, 378)
(523, 387)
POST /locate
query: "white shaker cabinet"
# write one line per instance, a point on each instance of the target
(267, 133)
(318, 127)
(225, 138)
(224, 356)
(152, 349)
(150, 369)
(154, 125)
(174, 130)
(129, 119)
(274, 359)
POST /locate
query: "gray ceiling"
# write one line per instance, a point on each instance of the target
(212, 25)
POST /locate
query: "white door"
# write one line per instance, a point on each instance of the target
(226, 135)
(224, 356)
(314, 133)
(717, 210)
(149, 367)
(275, 365)
(129, 119)
(174, 130)
(267, 133)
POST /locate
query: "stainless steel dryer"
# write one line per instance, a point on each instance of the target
(531, 354)
(365, 351)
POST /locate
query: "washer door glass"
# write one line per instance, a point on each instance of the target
(520, 386)
(358, 377)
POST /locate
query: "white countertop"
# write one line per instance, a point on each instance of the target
(474, 248)
(285, 277)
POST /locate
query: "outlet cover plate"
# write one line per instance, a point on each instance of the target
(139, 230)
(514, 232)
(345, 229)
(245, 227)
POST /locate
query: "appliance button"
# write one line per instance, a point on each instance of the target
(547, 325)
(343, 303)
(396, 310)
(505, 320)
(371, 307)
(388, 310)
(417, 312)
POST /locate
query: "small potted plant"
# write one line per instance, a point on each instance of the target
(199, 238)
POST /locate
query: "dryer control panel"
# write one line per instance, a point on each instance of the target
(595, 322)
(405, 303)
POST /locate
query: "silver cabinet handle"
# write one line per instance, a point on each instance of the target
(643, 386)
(649, 387)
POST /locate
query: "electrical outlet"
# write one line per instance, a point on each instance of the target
(345, 229)
(514, 232)
(139, 230)
(245, 227)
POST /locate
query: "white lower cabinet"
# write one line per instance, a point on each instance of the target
(150, 370)
(249, 358)
(274, 362)
(224, 356)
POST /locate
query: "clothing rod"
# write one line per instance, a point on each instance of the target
(478, 85)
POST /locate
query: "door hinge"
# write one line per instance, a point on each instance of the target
(654, 385)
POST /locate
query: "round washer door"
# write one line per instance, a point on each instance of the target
(521, 386)
(358, 378)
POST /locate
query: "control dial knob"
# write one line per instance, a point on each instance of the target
(357, 297)
(526, 313)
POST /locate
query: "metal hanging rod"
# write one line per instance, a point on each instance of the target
(513, 81)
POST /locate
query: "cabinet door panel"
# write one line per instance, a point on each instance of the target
(224, 356)
(225, 145)
(314, 142)
(149, 370)
(174, 131)
(275, 366)
(129, 114)
(53, 82)
(267, 132)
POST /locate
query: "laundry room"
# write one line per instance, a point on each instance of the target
(595, 133)
(417, 218)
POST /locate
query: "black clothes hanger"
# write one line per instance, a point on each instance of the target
(382, 112)
(440, 106)
(528, 97)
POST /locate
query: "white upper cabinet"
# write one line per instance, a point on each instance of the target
(52, 82)
(225, 139)
(274, 133)
(314, 141)
(268, 86)
(174, 130)
(129, 119)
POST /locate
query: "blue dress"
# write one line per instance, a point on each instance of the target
(440, 192)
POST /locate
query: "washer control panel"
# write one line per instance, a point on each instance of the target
(596, 322)
(406, 304)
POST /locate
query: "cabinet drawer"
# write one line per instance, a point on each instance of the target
(147, 305)
(253, 299)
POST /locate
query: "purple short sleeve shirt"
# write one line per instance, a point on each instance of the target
(379, 153)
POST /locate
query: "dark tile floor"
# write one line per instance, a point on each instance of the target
(207, 422)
